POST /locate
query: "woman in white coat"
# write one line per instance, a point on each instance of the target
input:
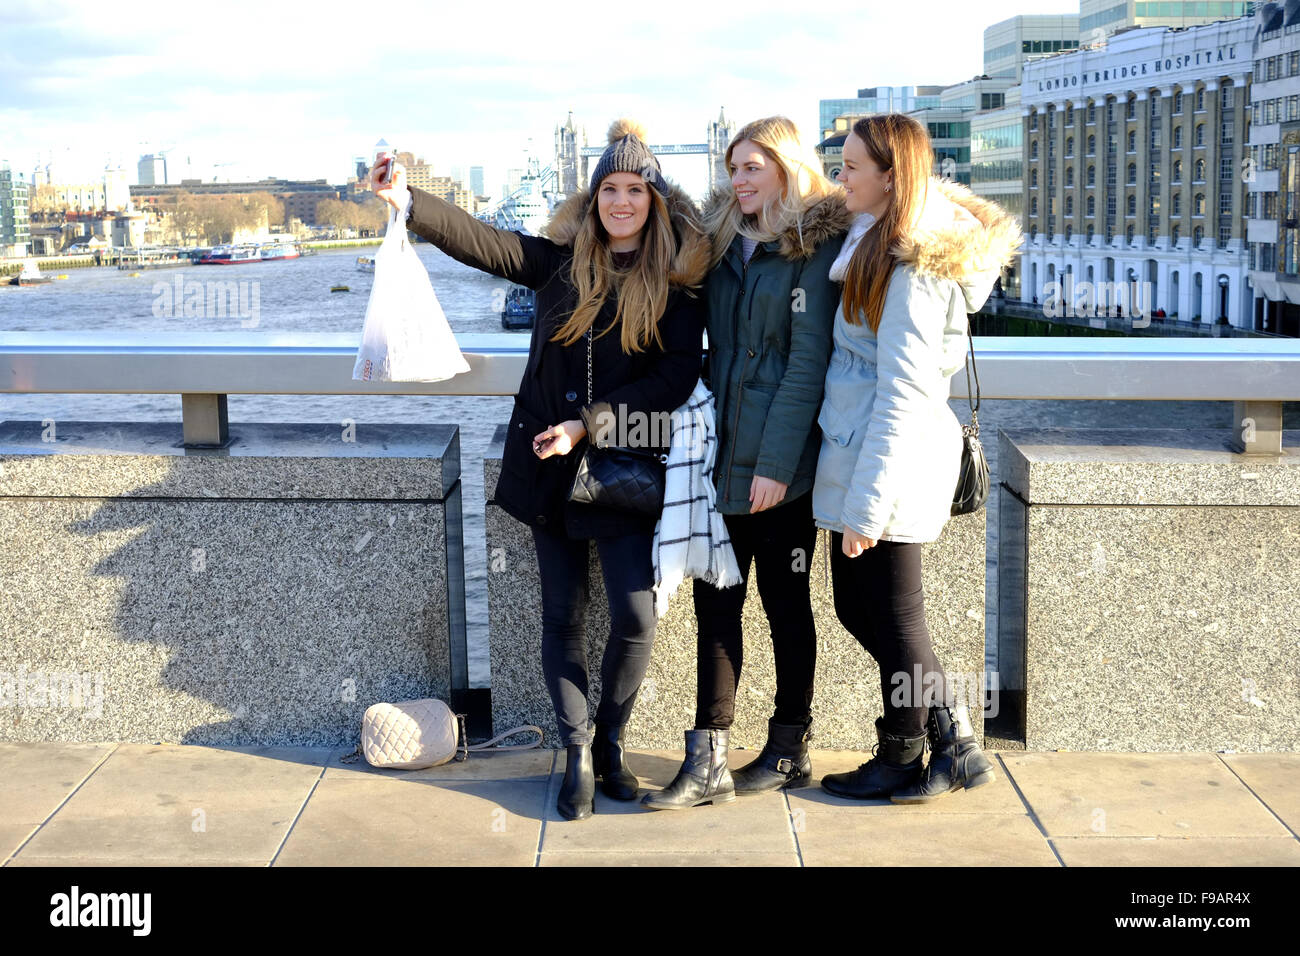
(921, 254)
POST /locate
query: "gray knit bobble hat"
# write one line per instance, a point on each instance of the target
(628, 153)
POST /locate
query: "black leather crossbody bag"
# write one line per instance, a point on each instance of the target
(973, 479)
(629, 479)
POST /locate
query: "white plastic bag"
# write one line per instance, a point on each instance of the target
(406, 336)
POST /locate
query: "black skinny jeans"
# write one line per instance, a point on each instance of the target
(629, 579)
(879, 601)
(779, 541)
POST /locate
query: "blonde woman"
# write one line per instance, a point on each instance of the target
(619, 262)
(771, 304)
(922, 253)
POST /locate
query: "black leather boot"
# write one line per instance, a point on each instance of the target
(703, 778)
(608, 760)
(895, 764)
(783, 762)
(577, 799)
(956, 760)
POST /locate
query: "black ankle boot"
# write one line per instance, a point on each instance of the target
(608, 761)
(896, 764)
(577, 799)
(703, 778)
(783, 762)
(956, 760)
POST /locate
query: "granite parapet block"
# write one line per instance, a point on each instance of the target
(156, 611)
(263, 460)
(1145, 603)
(1145, 466)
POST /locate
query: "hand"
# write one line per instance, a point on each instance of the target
(765, 493)
(854, 544)
(559, 439)
(393, 192)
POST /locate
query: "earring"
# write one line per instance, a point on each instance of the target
(888, 186)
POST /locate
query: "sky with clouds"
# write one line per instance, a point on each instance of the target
(296, 90)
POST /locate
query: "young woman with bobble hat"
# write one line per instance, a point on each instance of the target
(921, 254)
(619, 261)
(770, 308)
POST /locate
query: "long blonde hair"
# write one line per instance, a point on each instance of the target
(642, 288)
(899, 143)
(797, 166)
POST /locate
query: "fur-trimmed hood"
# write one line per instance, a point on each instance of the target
(958, 236)
(691, 261)
(824, 220)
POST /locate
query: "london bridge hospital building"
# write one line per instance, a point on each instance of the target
(1140, 178)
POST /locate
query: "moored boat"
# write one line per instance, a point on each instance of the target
(234, 255)
(30, 275)
(520, 308)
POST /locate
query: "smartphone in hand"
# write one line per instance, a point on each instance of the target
(384, 164)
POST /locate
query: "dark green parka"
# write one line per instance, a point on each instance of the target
(770, 327)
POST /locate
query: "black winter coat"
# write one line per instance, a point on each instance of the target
(554, 386)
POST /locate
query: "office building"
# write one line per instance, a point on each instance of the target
(15, 231)
(996, 164)
(875, 99)
(152, 170)
(1099, 19)
(1273, 180)
(1009, 43)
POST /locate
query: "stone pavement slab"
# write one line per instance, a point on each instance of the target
(1139, 794)
(485, 811)
(987, 826)
(752, 830)
(177, 804)
(1173, 851)
(907, 838)
(1275, 778)
(721, 858)
(996, 797)
(34, 779)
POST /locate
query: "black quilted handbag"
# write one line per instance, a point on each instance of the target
(629, 479)
(973, 480)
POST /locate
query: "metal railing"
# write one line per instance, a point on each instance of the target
(1257, 375)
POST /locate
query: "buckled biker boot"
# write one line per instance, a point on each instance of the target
(956, 760)
(894, 765)
(577, 798)
(703, 777)
(783, 763)
(608, 761)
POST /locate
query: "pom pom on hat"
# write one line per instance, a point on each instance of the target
(625, 126)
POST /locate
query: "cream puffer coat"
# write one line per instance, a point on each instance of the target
(891, 446)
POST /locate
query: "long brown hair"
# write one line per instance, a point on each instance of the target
(642, 288)
(899, 143)
(802, 185)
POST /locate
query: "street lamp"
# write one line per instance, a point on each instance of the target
(1223, 300)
